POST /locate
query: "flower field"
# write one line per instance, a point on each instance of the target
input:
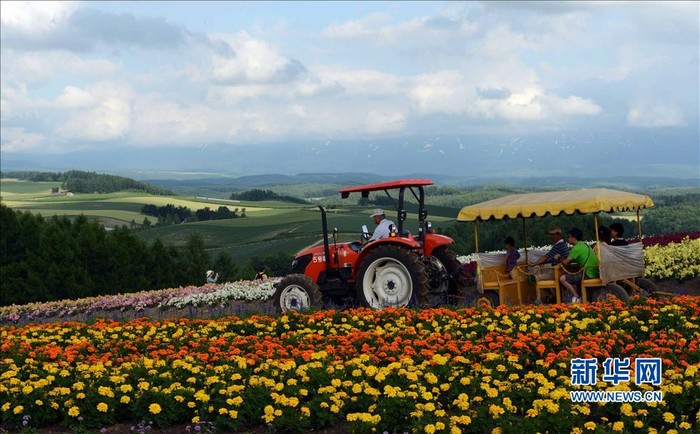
(675, 256)
(426, 371)
(172, 298)
(679, 260)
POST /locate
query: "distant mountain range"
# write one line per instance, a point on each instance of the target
(450, 160)
(368, 178)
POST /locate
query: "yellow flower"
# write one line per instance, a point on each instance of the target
(125, 399)
(102, 407)
(154, 408)
(430, 429)
(18, 410)
(618, 426)
(73, 411)
(496, 411)
(455, 430)
(589, 426)
(669, 417)
(638, 424)
(684, 425)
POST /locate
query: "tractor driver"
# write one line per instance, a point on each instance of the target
(383, 225)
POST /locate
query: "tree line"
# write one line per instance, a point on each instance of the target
(171, 214)
(45, 259)
(257, 195)
(79, 181)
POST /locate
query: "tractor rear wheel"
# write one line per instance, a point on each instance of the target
(457, 279)
(297, 292)
(392, 276)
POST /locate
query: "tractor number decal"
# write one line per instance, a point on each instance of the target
(319, 258)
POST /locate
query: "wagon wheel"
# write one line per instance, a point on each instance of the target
(487, 300)
(611, 291)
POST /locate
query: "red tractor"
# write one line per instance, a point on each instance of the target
(404, 269)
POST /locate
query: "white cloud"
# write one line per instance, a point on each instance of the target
(380, 121)
(35, 17)
(38, 68)
(534, 65)
(73, 97)
(361, 81)
(16, 139)
(100, 112)
(646, 116)
(253, 61)
(354, 29)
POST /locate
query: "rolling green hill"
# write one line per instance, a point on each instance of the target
(271, 227)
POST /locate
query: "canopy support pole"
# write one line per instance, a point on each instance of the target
(476, 238)
(525, 241)
(639, 227)
(597, 238)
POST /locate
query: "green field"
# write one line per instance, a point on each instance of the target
(268, 228)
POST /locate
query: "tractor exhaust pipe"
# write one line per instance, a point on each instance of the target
(326, 248)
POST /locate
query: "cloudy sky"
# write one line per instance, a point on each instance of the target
(96, 76)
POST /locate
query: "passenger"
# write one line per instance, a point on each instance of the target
(559, 249)
(585, 258)
(617, 231)
(383, 225)
(603, 237)
(512, 256)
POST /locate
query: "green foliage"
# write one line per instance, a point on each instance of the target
(59, 258)
(170, 214)
(277, 264)
(89, 182)
(257, 195)
(680, 261)
(683, 217)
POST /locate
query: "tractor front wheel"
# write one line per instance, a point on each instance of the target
(392, 276)
(297, 292)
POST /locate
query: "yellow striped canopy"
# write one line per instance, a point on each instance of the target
(555, 203)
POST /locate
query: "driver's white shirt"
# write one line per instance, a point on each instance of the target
(382, 230)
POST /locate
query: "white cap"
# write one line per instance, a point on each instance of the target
(376, 212)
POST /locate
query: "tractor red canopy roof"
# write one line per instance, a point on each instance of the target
(365, 189)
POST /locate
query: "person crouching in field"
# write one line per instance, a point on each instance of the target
(211, 277)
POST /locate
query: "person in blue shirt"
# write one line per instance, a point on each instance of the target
(383, 225)
(211, 277)
(559, 247)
